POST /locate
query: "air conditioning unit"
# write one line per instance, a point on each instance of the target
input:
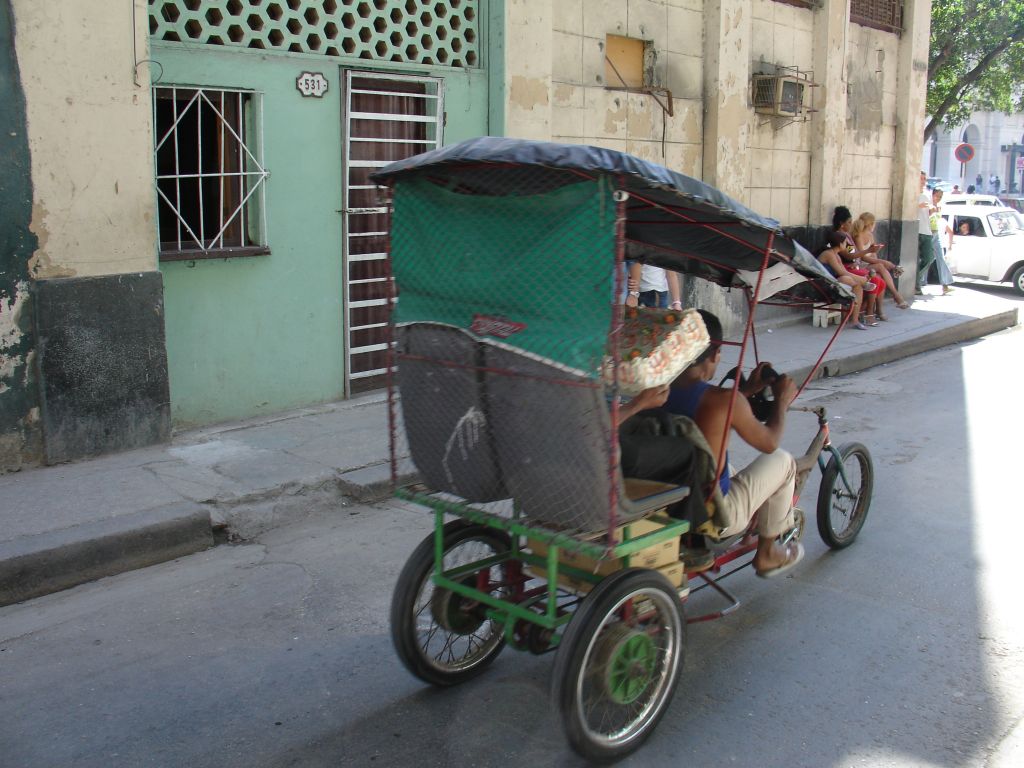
(778, 95)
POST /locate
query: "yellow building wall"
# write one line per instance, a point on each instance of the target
(90, 136)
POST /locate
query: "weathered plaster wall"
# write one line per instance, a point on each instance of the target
(779, 169)
(528, 68)
(585, 110)
(90, 133)
(870, 146)
(19, 411)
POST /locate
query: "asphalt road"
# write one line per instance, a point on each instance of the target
(906, 649)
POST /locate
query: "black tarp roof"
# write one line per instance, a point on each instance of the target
(673, 220)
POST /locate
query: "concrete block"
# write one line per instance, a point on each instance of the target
(373, 483)
(822, 317)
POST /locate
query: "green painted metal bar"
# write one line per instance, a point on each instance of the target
(565, 541)
(512, 609)
(478, 565)
(552, 574)
(673, 528)
(438, 543)
(570, 571)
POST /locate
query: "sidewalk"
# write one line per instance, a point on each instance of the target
(72, 523)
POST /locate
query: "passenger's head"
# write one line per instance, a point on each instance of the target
(864, 223)
(842, 218)
(836, 240)
(714, 326)
(965, 228)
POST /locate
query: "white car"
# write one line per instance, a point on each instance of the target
(988, 242)
(972, 199)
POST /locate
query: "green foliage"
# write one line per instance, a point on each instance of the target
(976, 60)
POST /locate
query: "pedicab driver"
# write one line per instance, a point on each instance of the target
(766, 485)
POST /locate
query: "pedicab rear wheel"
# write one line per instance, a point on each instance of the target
(842, 510)
(618, 663)
(440, 636)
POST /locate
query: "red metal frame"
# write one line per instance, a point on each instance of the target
(515, 579)
(617, 323)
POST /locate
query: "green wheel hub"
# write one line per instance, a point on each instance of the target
(631, 658)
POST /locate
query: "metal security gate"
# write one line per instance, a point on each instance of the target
(387, 118)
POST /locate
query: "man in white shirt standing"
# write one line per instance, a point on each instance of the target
(653, 287)
(925, 238)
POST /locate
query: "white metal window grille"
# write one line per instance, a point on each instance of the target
(435, 32)
(387, 118)
(209, 173)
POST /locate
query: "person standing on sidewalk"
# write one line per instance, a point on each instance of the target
(925, 238)
(651, 286)
(939, 227)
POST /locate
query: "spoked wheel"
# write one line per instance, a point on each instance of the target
(843, 508)
(618, 663)
(442, 637)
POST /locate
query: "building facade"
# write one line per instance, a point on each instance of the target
(196, 228)
(998, 142)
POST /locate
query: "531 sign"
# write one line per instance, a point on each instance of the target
(311, 84)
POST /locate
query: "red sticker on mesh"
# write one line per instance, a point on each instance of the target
(486, 325)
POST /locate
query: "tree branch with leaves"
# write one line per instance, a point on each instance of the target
(976, 60)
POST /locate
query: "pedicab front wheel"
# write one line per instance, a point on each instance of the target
(618, 663)
(442, 637)
(845, 496)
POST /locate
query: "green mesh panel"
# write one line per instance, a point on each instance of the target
(544, 261)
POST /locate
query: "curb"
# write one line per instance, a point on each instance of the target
(972, 329)
(371, 484)
(32, 566)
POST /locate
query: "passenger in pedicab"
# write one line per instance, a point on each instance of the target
(765, 487)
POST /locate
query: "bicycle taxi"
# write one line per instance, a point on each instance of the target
(511, 347)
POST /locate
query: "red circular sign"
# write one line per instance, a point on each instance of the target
(964, 153)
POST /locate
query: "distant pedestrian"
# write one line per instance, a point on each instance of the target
(651, 286)
(978, 181)
(998, 186)
(992, 182)
(940, 227)
(925, 238)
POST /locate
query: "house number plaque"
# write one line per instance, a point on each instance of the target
(311, 84)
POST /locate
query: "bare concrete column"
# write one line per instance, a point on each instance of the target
(910, 105)
(528, 63)
(727, 35)
(828, 124)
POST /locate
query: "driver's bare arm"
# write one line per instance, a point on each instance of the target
(765, 437)
(654, 397)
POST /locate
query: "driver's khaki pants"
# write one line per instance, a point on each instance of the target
(765, 487)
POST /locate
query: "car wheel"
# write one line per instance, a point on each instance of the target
(1018, 280)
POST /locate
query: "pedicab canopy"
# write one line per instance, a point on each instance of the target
(505, 255)
(519, 239)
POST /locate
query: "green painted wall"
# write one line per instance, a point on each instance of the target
(255, 335)
(19, 432)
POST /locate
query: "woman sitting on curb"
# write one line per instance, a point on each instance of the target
(863, 233)
(832, 259)
(842, 221)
